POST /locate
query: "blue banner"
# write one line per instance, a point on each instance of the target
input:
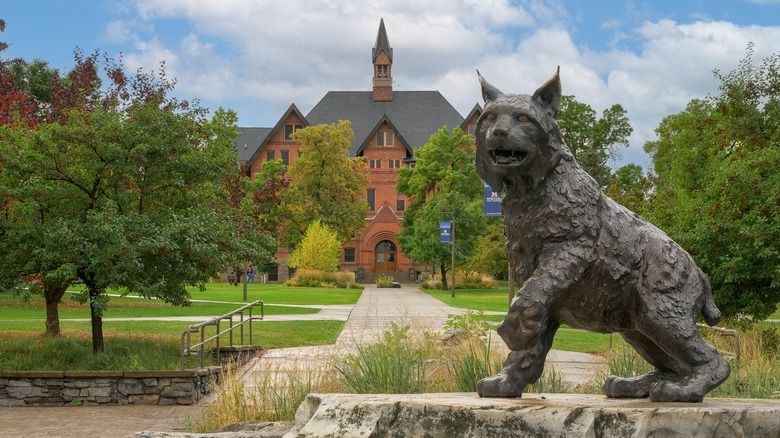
(445, 232)
(492, 202)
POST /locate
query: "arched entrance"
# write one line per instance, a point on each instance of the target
(385, 257)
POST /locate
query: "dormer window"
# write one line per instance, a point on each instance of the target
(384, 138)
(290, 129)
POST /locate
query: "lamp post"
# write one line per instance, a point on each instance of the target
(452, 242)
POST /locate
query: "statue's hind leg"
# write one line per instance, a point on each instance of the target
(666, 368)
(704, 368)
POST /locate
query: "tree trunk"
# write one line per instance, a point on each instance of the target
(53, 295)
(97, 326)
(444, 285)
(95, 311)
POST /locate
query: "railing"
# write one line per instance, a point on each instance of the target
(727, 332)
(189, 349)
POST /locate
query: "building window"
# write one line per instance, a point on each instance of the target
(472, 130)
(384, 138)
(290, 129)
(370, 198)
(349, 254)
(269, 156)
(382, 71)
(400, 205)
(375, 164)
(394, 164)
(286, 158)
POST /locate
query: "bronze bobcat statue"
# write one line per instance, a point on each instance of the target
(586, 261)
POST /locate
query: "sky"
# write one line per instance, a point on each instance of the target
(258, 57)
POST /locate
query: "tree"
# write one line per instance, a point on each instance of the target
(33, 94)
(630, 187)
(593, 141)
(326, 184)
(718, 192)
(319, 249)
(3, 44)
(120, 189)
(490, 255)
(444, 180)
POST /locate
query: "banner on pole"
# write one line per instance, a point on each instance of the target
(492, 203)
(445, 232)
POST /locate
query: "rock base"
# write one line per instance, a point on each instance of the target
(534, 415)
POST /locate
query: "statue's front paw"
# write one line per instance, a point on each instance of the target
(498, 386)
(618, 387)
(666, 391)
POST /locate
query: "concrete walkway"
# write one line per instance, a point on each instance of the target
(374, 313)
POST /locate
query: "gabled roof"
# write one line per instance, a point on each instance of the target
(248, 143)
(382, 42)
(416, 115)
(371, 135)
(477, 110)
(269, 132)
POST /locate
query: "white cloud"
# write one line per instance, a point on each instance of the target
(277, 53)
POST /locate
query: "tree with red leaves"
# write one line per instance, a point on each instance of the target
(115, 182)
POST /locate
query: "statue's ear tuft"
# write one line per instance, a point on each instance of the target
(550, 92)
(489, 92)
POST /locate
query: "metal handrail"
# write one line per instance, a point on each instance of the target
(727, 332)
(188, 348)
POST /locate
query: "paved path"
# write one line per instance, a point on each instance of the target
(92, 421)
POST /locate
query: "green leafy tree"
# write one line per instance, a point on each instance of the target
(319, 249)
(443, 180)
(124, 188)
(490, 255)
(594, 141)
(326, 184)
(631, 187)
(718, 191)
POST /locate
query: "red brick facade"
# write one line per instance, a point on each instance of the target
(387, 129)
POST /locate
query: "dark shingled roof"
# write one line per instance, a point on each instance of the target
(416, 115)
(249, 141)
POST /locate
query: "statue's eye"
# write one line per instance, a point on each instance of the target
(490, 117)
(522, 118)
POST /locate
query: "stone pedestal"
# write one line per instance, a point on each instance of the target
(534, 415)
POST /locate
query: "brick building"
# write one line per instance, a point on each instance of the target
(388, 125)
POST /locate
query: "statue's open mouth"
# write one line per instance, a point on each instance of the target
(504, 157)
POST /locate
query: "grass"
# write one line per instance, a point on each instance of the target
(775, 315)
(22, 325)
(496, 300)
(73, 351)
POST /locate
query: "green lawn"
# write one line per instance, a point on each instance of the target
(475, 299)
(229, 297)
(22, 326)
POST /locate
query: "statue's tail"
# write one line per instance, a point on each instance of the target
(709, 311)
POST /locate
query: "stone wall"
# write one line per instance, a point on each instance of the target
(60, 388)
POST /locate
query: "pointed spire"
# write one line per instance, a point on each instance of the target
(383, 64)
(382, 42)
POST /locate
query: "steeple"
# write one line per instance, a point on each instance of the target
(382, 57)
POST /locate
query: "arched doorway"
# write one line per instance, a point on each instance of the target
(386, 257)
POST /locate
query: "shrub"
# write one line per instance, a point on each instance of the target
(474, 280)
(314, 278)
(384, 281)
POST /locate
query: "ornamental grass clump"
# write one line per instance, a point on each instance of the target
(397, 364)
